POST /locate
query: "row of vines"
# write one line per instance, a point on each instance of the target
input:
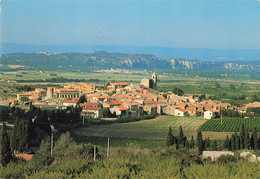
(230, 124)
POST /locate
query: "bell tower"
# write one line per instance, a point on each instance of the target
(154, 78)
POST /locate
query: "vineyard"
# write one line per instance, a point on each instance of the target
(230, 125)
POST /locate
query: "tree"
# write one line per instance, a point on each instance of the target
(15, 137)
(255, 139)
(192, 143)
(226, 143)
(217, 85)
(82, 99)
(233, 142)
(242, 136)
(215, 145)
(24, 99)
(178, 91)
(181, 137)
(200, 142)
(237, 141)
(169, 138)
(247, 140)
(232, 87)
(64, 141)
(23, 134)
(5, 150)
(207, 143)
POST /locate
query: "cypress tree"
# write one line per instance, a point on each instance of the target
(215, 145)
(252, 140)
(233, 144)
(237, 141)
(242, 136)
(24, 137)
(169, 138)
(247, 140)
(5, 150)
(207, 143)
(200, 142)
(192, 143)
(226, 143)
(255, 139)
(15, 137)
(181, 137)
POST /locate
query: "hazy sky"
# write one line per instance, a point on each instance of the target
(174, 23)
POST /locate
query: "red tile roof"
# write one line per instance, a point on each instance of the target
(88, 104)
(119, 84)
(70, 101)
(91, 108)
(26, 157)
(182, 110)
(121, 108)
(114, 102)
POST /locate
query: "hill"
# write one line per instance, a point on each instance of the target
(203, 54)
(105, 60)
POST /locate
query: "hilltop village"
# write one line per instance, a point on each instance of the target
(122, 100)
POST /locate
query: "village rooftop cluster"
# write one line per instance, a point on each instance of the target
(123, 100)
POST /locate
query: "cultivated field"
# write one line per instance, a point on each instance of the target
(231, 125)
(148, 129)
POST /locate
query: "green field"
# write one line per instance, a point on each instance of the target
(148, 129)
(230, 125)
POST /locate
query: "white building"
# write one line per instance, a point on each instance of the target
(210, 114)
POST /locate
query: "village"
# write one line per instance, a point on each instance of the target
(121, 100)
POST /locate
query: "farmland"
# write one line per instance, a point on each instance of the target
(231, 124)
(147, 129)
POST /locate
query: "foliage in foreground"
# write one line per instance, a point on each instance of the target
(131, 162)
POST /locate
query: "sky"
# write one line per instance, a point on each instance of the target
(217, 24)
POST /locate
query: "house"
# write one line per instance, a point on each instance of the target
(92, 112)
(120, 111)
(170, 110)
(210, 114)
(70, 103)
(112, 104)
(150, 109)
(115, 86)
(132, 106)
(90, 104)
(181, 112)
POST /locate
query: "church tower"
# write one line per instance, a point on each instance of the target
(154, 78)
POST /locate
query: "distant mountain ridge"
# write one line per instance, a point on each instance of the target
(105, 60)
(202, 54)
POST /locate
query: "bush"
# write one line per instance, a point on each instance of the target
(226, 159)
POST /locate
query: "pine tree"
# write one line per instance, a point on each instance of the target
(200, 142)
(247, 140)
(169, 138)
(255, 139)
(215, 145)
(192, 143)
(242, 136)
(5, 150)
